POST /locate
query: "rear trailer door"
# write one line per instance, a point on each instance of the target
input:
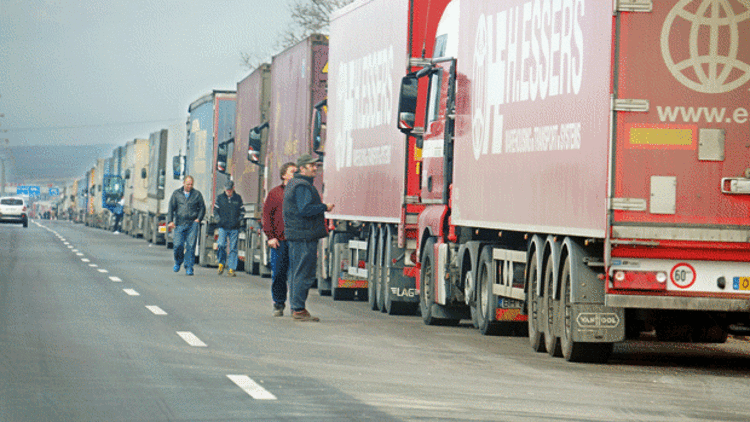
(680, 187)
(682, 160)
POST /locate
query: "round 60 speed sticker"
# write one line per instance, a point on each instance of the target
(682, 275)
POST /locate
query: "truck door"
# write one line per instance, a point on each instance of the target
(681, 162)
(437, 145)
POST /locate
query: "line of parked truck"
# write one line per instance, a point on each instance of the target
(510, 163)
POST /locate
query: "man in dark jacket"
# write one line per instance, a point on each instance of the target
(228, 211)
(186, 210)
(304, 224)
(273, 227)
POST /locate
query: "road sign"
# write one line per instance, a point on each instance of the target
(54, 191)
(34, 191)
(22, 190)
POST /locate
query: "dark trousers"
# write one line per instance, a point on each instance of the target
(279, 272)
(303, 256)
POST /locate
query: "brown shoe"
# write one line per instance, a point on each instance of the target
(304, 316)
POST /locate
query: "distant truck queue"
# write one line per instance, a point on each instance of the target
(520, 164)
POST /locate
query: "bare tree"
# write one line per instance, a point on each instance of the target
(308, 17)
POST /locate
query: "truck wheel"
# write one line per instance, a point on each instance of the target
(551, 341)
(486, 302)
(372, 270)
(574, 351)
(380, 273)
(533, 302)
(426, 295)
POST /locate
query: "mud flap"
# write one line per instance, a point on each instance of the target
(592, 323)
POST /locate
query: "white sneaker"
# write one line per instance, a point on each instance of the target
(117, 232)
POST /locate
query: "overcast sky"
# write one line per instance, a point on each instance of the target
(76, 72)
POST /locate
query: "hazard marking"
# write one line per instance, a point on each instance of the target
(682, 275)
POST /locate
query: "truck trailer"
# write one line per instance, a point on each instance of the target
(136, 180)
(584, 171)
(166, 149)
(371, 171)
(246, 163)
(210, 123)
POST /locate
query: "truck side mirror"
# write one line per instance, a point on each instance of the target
(221, 158)
(254, 144)
(143, 173)
(318, 135)
(176, 167)
(407, 104)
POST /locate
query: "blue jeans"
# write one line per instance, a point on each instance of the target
(303, 256)
(221, 252)
(185, 237)
(279, 272)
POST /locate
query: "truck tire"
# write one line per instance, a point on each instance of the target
(372, 271)
(574, 351)
(427, 287)
(533, 303)
(486, 306)
(551, 340)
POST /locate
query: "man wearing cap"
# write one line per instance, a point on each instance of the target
(228, 211)
(304, 224)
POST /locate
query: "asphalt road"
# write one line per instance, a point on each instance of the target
(96, 327)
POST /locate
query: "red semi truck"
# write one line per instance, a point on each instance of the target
(582, 169)
(274, 118)
(371, 174)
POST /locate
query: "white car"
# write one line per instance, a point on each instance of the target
(14, 210)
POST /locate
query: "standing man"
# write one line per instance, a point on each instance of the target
(186, 210)
(304, 224)
(119, 210)
(228, 211)
(273, 227)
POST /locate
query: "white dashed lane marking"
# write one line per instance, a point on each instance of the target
(93, 265)
(102, 270)
(251, 387)
(85, 260)
(131, 292)
(115, 279)
(191, 339)
(79, 254)
(156, 310)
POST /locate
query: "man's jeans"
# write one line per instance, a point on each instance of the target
(279, 272)
(185, 237)
(303, 256)
(221, 243)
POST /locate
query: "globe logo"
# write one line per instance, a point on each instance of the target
(713, 43)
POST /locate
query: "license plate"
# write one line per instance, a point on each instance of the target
(742, 283)
(162, 229)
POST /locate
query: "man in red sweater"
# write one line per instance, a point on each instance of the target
(273, 227)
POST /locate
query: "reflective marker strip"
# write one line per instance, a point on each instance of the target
(156, 310)
(251, 387)
(115, 279)
(131, 292)
(191, 339)
(102, 271)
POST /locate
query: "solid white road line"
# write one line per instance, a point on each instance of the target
(131, 292)
(102, 270)
(116, 279)
(191, 339)
(156, 310)
(251, 387)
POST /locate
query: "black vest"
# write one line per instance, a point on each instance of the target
(297, 227)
